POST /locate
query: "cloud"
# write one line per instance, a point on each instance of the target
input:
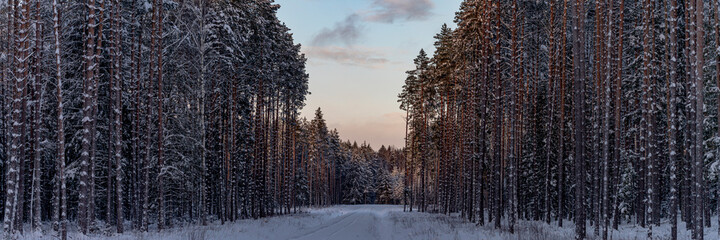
(387, 11)
(325, 44)
(348, 31)
(349, 55)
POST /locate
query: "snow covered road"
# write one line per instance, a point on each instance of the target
(361, 222)
(350, 226)
(370, 222)
(382, 222)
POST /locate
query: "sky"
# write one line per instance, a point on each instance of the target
(358, 52)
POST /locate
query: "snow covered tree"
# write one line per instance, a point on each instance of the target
(137, 109)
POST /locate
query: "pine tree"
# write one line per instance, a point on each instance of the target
(699, 114)
(85, 196)
(13, 206)
(36, 111)
(4, 86)
(578, 14)
(158, 45)
(647, 137)
(672, 105)
(618, 113)
(61, 190)
(628, 171)
(116, 83)
(716, 6)
(561, 148)
(608, 61)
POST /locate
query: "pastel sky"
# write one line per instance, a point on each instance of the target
(358, 52)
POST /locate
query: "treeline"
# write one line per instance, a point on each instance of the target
(357, 174)
(371, 177)
(142, 114)
(598, 112)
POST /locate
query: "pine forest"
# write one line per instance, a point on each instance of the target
(523, 119)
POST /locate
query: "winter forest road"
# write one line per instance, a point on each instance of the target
(381, 222)
(378, 222)
(355, 225)
(363, 222)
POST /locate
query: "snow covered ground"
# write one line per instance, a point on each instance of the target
(381, 222)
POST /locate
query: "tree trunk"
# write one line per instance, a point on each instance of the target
(61, 198)
(157, 43)
(672, 112)
(618, 111)
(36, 209)
(497, 196)
(88, 89)
(561, 122)
(716, 6)
(648, 113)
(578, 14)
(700, 103)
(606, 121)
(117, 109)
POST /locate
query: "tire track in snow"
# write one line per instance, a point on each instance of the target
(354, 225)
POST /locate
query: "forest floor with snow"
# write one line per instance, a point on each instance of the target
(381, 222)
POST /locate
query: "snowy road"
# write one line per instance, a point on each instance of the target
(349, 226)
(369, 222)
(374, 222)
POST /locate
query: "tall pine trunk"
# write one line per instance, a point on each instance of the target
(561, 122)
(117, 110)
(672, 117)
(618, 111)
(88, 89)
(13, 179)
(606, 191)
(36, 209)
(157, 44)
(61, 197)
(699, 119)
(578, 16)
